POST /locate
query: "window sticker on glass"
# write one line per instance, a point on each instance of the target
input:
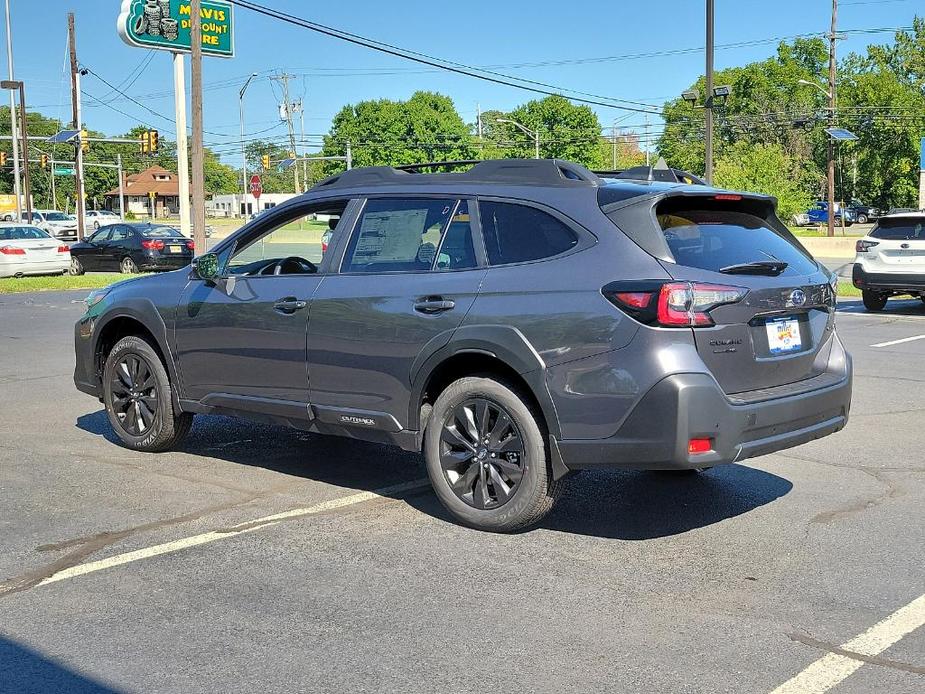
(393, 235)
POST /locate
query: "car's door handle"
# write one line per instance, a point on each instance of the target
(434, 304)
(289, 304)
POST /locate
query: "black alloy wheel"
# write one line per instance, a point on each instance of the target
(482, 453)
(134, 395)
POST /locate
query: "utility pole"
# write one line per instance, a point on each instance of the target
(613, 137)
(179, 99)
(121, 187)
(13, 129)
(198, 187)
(243, 150)
(708, 103)
(25, 152)
(76, 124)
(830, 172)
(286, 114)
(647, 138)
(349, 156)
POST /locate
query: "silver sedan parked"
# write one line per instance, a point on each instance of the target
(28, 250)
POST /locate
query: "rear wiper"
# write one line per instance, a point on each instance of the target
(758, 267)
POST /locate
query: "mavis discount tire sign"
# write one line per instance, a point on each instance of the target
(165, 24)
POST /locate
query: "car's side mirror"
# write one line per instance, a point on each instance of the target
(206, 266)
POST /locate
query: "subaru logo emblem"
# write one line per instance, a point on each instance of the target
(797, 297)
(904, 245)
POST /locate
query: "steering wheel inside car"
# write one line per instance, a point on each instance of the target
(293, 265)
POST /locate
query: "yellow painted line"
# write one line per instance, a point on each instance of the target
(240, 529)
(834, 668)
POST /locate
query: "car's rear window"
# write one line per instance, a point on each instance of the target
(21, 233)
(908, 229)
(160, 232)
(714, 239)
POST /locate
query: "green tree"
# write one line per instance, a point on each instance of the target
(566, 131)
(764, 169)
(383, 132)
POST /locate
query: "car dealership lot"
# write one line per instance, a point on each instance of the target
(261, 558)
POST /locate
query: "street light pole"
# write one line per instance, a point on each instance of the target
(708, 113)
(830, 172)
(243, 155)
(535, 134)
(13, 131)
(13, 85)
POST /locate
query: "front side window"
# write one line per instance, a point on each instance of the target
(517, 233)
(290, 246)
(100, 235)
(410, 235)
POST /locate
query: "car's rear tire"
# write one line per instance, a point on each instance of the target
(873, 301)
(485, 452)
(128, 266)
(862, 219)
(139, 399)
(76, 268)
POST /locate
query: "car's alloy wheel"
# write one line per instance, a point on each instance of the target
(486, 456)
(128, 266)
(138, 397)
(76, 267)
(862, 219)
(134, 395)
(482, 453)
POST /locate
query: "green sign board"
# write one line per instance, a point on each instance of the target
(64, 171)
(165, 24)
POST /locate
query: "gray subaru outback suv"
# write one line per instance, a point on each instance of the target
(514, 322)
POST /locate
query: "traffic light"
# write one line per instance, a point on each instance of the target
(153, 141)
(144, 142)
(265, 160)
(84, 141)
(2, 158)
(43, 160)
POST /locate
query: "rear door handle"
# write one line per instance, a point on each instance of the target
(289, 305)
(434, 304)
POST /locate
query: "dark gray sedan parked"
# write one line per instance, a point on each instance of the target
(131, 247)
(514, 323)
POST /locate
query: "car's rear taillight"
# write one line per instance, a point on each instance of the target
(64, 249)
(697, 446)
(190, 245)
(863, 245)
(153, 245)
(12, 250)
(672, 304)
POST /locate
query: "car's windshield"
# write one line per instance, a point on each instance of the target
(908, 229)
(160, 232)
(20, 233)
(56, 217)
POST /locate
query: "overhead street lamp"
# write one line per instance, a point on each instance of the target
(830, 167)
(14, 85)
(243, 154)
(535, 134)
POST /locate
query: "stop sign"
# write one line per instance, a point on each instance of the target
(256, 188)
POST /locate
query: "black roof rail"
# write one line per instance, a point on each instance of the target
(522, 171)
(659, 172)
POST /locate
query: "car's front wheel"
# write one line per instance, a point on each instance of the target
(485, 452)
(128, 266)
(76, 267)
(873, 301)
(138, 398)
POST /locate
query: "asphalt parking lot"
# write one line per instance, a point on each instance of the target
(263, 559)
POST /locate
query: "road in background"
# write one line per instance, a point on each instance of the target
(734, 580)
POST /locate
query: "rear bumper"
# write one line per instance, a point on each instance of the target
(685, 406)
(162, 262)
(45, 267)
(891, 281)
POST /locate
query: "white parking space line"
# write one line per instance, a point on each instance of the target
(899, 342)
(240, 529)
(833, 668)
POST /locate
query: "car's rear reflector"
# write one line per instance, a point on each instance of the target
(12, 250)
(696, 446)
(634, 299)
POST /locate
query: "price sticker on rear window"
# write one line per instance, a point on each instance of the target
(784, 336)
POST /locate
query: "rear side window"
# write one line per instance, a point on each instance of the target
(714, 239)
(517, 233)
(908, 229)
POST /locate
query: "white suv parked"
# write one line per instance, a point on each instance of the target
(891, 259)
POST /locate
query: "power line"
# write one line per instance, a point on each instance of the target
(441, 63)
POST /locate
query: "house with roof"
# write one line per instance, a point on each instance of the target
(154, 186)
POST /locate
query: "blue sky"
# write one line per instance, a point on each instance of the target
(504, 35)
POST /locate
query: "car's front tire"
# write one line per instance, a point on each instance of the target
(138, 398)
(76, 267)
(485, 452)
(873, 301)
(862, 219)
